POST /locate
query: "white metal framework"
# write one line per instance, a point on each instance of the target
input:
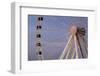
(76, 46)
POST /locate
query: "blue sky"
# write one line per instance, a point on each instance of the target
(55, 33)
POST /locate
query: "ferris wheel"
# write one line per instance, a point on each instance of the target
(76, 46)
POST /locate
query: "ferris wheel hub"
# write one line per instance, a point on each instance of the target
(73, 29)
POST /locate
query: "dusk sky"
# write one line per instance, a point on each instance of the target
(55, 33)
